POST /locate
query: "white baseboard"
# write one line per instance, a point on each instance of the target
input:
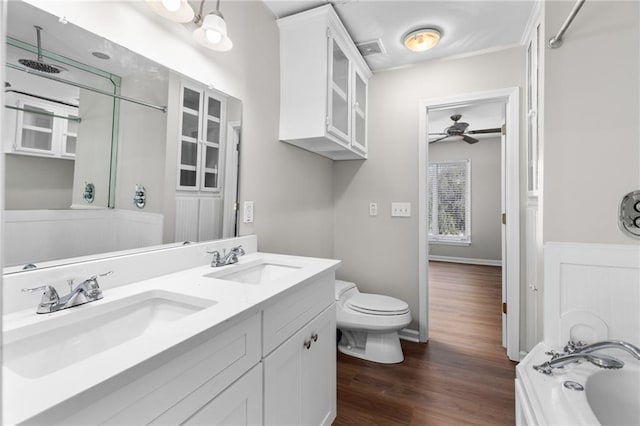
(410, 335)
(470, 261)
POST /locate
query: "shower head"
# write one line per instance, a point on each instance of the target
(38, 64)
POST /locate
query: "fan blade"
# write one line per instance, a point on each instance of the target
(483, 131)
(469, 139)
(438, 134)
(438, 140)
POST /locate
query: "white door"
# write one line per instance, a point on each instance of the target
(503, 228)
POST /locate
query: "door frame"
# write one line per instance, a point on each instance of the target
(510, 96)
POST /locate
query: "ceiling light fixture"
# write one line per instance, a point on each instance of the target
(212, 32)
(174, 10)
(422, 39)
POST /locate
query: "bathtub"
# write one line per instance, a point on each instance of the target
(609, 397)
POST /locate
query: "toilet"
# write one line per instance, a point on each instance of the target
(369, 324)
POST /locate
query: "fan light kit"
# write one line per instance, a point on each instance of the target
(422, 39)
(212, 28)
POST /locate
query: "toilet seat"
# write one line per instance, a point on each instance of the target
(377, 304)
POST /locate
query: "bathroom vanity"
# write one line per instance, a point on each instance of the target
(248, 343)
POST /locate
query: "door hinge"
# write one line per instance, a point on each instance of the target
(328, 32)
(504, 218)
(236, 206)
(504, 308)
(327, 121)
(503, 130)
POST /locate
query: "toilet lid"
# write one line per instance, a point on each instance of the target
(377, 304)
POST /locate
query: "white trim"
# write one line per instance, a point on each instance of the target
(512, 188)
(449, 243)
(466, 260)
(532, 23)
(410, 335)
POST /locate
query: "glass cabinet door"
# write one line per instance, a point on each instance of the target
(36, 128)
(189, 136)
(210, 171)
(70, 137)
(339, 92)
(359, 113)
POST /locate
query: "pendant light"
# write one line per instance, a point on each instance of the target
(174, 10)
(212, 30)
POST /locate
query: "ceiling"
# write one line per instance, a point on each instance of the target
(466, 26)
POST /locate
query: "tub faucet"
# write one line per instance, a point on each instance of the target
(602, 361)
(85, 292)
(582, 348)
(227, 258)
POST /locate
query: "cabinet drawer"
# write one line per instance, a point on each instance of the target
(209, 367)
(287, 315)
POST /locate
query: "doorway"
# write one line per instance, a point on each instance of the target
(510, 196)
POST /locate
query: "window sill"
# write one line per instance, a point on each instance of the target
(450, 243)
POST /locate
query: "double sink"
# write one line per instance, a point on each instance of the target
(38, 349)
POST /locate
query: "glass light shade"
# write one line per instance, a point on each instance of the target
(421, 40)
(174, 10)
(213, 33)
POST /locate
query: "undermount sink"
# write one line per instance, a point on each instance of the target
(254, 273)
(39, 349)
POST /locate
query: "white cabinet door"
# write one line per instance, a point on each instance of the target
(339, 92)
(190, 136)
(359, 117)
(300, 376)
(239, 405)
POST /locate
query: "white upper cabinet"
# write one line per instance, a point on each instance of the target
(40, 128)
(323, 86)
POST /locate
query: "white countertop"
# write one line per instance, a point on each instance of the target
(24, 398)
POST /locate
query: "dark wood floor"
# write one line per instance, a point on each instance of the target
(461, 376)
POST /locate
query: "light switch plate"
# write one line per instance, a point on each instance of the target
(401, 209)
(248, 212)
(373, 209)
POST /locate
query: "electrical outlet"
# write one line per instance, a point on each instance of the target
(248, 212)
(401, 209)
(373, 209)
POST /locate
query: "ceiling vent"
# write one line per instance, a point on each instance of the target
(371, 47)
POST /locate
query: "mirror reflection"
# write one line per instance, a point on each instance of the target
(106, 150)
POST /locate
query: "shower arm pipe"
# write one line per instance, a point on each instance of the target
(48, 114)
(556, 41)
(85, 87)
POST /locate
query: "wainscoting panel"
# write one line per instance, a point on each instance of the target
(591, 293)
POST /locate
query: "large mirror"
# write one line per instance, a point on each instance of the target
(106, 150)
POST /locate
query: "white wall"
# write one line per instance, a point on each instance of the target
(486, 227)
(292, 188)
(380, 253)
(592, 121)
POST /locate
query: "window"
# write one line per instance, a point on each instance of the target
(450, 202)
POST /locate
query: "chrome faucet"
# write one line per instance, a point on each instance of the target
(582, 348)
(85, 292)
(579, 351)
(602, 361)
(227, 258)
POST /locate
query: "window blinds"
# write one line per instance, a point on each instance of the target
(449, 201)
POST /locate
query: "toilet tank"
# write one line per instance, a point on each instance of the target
(342, 287)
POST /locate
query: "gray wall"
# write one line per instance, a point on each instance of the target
(591, 125)
(37, 182)
(142, 142)
(486, 241)
(381, 253)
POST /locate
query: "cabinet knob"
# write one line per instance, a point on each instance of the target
(307, 344)
(314, 337)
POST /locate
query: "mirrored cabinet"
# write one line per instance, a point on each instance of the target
(323, 86)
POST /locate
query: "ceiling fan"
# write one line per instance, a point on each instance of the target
(459, 128)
